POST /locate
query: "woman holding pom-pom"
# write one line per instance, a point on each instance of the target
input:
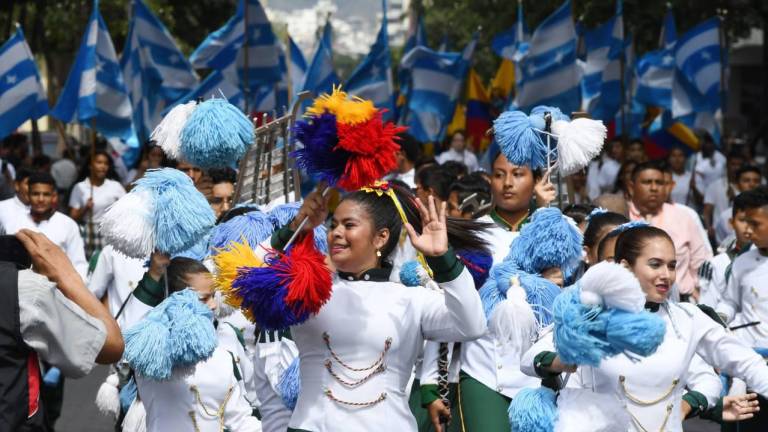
(358, 351)
(653, 388)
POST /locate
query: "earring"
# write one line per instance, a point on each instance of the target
(378, 253)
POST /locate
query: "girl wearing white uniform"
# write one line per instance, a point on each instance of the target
(358, 352)
(652, 388)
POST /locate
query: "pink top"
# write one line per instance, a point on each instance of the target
(690, 247)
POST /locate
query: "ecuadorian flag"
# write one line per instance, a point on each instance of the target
(478, 112)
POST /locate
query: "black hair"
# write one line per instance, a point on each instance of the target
(739, 204)
(85, 172)
(665, 167)
(42, 177)
(619, 186)
(630, 243)
(22, 174)
(597, 225)
(648, 165)
(455, 169)
(753, 199)
(435, 178)
(471, 184)
(178, 269)
(410, 146)
(462, 234)
(578, 212)
(39, 162)
(735, 154)
(235, 211)
(747, 169)
(222, 175)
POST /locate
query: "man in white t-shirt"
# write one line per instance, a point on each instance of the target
(459, 153)
(682, 193)
(15, 208)
(602, 172)
(747, 178)
(407, 156)
(709, 164)
(719, 194)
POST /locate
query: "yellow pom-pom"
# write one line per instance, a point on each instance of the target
(347, 111)
(228, 260)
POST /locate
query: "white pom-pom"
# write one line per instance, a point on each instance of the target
(513, 319)
(579, 141)
(581, 410)
(108, 396)
(167, 134)
(127, 224)
(136, 418)
(616, 286)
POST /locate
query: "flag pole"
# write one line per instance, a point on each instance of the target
(288, 81)
(722, 13)
(246, 36)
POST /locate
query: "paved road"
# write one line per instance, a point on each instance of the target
(79, 413)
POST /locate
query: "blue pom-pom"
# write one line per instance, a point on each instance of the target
(518, 140)
(284, 213)
(478, 263)
(263, 291)
(639, 333)
(216, 134)
(146, 348)
(548, 240)
(289, 385)
(410, 273)
(318, 156)
(182, 215)
(192, 337)
(533, 410)
(539, 292)
(575, 329)
(556, 113)
(198, 251)
(628, 226)
(254, 227)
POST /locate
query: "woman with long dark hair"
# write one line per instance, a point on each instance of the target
(357, 354)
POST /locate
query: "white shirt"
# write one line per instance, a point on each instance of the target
(358, 320)
(117, 276)
(172, 404)
(723, 228)
(466, 157)
(103, 196)
(746, 292)
(663, 375)
(61, 230)
(12, 210)
(708, 170)
(408, 177)
(64, 172)
(717, 197)
(682, 188)
(601, 179)
(270, 360)
(712, 283)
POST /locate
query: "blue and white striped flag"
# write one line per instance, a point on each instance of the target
(436, 80)
(215, 85)
(297, 66)
(696, 86)
(601, 81)
(95, 91)
(155, 70)
(549, 73)
(512, 44)
(21, 94)
(656, 69)
(321, 77)
(226, 47)
(372, 79)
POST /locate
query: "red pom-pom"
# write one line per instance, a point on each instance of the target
(373, 147)
(309, 286)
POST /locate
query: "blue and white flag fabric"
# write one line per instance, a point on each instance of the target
(416, 38)
(228, 50)
(95, 93)
(215, 85)
(549, 72)
(321, 77)
(601, 82)
(696, 86)
(155, 70)
(656, 69)
(372, 78)
(512, 44)
(297, 66)
(21, 93)
(436, 79)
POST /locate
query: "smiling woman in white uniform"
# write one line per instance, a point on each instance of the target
(652, 388)
(358, 352)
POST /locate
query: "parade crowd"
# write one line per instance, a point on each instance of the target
(692, 228)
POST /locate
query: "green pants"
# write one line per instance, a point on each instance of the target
(480, 409)
(421, 414)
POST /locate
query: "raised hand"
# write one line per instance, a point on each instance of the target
(314, 207)
(544, 190)
(433, 240)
